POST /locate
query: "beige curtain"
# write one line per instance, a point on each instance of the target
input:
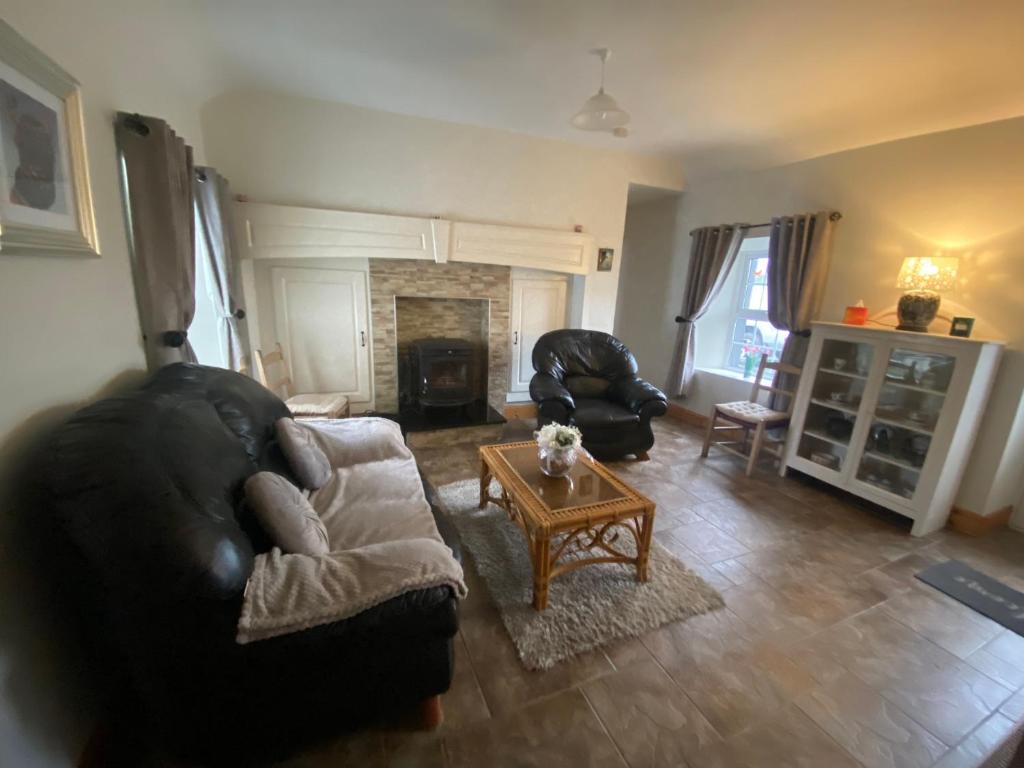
(799, 251)
(156, 170)
(712, 253)
(215, 244)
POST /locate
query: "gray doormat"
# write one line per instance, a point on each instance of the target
(588, 607)
(979, 592)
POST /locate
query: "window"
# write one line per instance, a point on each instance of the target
(752, 335)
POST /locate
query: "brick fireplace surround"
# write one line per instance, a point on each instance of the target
(407, 278)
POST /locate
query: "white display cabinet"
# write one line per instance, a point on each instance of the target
(891, 416)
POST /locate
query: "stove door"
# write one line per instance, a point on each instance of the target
(446, 380)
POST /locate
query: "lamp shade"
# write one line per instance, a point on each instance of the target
(928, 273)
(600, 113)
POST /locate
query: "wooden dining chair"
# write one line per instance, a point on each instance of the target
(752, 416)
(313, 405)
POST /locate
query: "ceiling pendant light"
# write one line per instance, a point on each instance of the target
(601, 112)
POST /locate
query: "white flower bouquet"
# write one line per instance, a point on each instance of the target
(558, 437)
(557, 447)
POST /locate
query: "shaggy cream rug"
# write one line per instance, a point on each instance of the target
(588, 607)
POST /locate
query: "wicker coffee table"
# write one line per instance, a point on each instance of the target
(569, 522)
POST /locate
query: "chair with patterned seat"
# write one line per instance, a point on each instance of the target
(751, 416)
(314, 405)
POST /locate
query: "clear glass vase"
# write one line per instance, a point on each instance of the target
(556, 462)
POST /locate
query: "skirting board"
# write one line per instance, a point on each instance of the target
(676, 412)
(683, 415)
(521, 411)
(973, 524)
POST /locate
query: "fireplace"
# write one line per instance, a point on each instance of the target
(442, 373)
(444, 353)
(442, 385)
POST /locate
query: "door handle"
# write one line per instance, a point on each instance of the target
(515, 338)
(362, 338)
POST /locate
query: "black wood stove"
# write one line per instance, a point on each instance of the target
(442, 372)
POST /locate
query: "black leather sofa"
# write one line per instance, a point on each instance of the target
(588, 379)
(145, 490)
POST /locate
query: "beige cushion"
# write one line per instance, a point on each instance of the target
(374, 503)
(286, 515)
(358, 441)
(751, 413)
(327, 405)
(305, 457)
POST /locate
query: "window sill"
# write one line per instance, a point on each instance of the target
(726, 373)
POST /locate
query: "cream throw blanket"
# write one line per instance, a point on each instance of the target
(383, 538)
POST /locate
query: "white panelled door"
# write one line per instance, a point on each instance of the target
(538, 306)
(322, 321)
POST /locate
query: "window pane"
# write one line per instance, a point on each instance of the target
(751, 334)
(758, 297)
(750, 339)
(742, 335)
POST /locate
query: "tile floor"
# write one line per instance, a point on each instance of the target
(828, 653)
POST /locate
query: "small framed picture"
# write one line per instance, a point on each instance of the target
(604, 259)
(45, 198)
(962, 326)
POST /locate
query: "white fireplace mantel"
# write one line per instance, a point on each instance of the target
(267, 231)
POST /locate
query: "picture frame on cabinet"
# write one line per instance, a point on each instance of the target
(46, 204)
(962, 327)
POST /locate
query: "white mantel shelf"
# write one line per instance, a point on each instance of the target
(267, 231)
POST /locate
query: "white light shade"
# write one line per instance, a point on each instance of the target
(928, 273)
(600, 113)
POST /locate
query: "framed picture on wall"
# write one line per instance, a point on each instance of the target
(604, 259)
(45, 198)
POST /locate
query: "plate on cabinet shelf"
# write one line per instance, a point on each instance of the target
(887, 485)
(827, 460)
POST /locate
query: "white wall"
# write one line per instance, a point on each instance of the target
(649, 239)
(68, 326)
(297, 151)
(959, 191)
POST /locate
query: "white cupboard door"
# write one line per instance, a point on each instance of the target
(538, 306)
(322, 323)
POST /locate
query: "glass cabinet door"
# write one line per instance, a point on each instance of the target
(836, 394)
(909, 404)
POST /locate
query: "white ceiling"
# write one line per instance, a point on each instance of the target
(726, 84)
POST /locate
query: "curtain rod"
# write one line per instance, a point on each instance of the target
(834, 216)
(134, 123)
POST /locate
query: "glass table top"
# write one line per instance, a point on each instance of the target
(583, 486)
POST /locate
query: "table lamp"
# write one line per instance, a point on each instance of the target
(922, 277)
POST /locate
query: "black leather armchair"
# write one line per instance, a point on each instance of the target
(145, 492)
(588, 379)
